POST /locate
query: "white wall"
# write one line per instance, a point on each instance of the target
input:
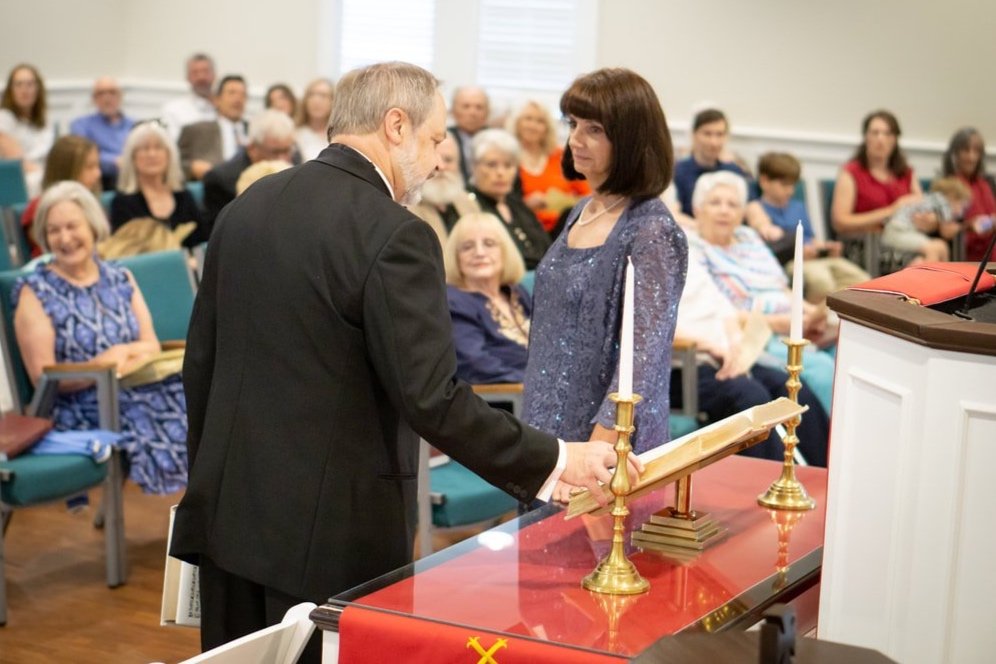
(813, 67)
(776, 66)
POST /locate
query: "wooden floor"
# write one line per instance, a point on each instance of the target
(59, 608)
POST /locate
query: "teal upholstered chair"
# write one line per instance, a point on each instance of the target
(12, 187)
(16, 238)
(31, 480)
(167, 284)
(196, 189)
(452, 496)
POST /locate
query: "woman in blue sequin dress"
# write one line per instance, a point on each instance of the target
(620, 143)
(77, 308)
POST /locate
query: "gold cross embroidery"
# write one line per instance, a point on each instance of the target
(486, 655)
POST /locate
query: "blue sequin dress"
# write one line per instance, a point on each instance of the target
(577, 314)
(87, 321)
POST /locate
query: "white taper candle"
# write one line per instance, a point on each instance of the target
(626, 337)
(795, 329)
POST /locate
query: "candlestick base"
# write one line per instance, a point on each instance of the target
(787, 493)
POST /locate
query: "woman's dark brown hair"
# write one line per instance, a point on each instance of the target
(37, 115)
(897, 160)
(628, 109)
(961, 141)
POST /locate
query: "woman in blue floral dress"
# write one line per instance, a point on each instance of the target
(77, 308)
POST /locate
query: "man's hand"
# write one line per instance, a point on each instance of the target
(589, 463)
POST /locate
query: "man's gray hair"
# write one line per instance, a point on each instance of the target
(271, 124)
(364, 96)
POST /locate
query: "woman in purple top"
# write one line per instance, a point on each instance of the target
(490, 311)
(619, 142)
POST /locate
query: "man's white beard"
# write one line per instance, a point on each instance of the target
(408, 165)
(443, 188)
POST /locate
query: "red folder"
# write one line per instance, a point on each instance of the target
(930, 283)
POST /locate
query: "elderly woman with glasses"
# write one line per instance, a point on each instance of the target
(490, 310)
(496, 160)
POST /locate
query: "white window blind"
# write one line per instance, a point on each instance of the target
(380, 30)
(527, 44)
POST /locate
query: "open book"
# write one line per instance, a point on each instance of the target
(181, 588)
(155, 368)
(685, 455)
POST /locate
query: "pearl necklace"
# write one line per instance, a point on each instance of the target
(585, 222)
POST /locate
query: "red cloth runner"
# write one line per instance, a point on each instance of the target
(374, 636)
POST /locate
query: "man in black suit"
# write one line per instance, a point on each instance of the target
(320, 348)
(271, 137)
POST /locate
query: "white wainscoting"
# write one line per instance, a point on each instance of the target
(909, 549)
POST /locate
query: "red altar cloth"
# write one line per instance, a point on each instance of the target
(525, 585)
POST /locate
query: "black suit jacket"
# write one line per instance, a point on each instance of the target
(219, 187)
(320, 343)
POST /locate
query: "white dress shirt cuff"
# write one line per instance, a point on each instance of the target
(547, 489)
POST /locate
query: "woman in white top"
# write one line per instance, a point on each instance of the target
(313, 118)
(24, 129)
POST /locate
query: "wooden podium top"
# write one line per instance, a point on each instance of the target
(894, 316)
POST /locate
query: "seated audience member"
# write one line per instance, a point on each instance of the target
(107, 128)
(444, 195)
(544, 188)
(775, 216)
(204, 145)
(25, 132)
(728, 382)
(965, 158)
(78, 309)
(258, 171)
(945, 203)
(470, 109)
(151, 184)
(496, 158)
(313, 118)
(490, 310)
(71, 158)
(749, 275)
(710, 130)
(280, 97)
(198, 104)
(876, 182)
(271, 136)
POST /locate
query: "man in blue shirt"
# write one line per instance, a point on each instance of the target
(108, 128)
(709, 131)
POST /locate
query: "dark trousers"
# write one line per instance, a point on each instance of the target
(232, 606)
(722, 398)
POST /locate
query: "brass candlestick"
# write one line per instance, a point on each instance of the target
(787, 493)
(785, 521)
(616, 574)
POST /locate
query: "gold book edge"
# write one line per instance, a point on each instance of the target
(698, 449)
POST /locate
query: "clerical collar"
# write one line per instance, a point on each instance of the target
(383, 177)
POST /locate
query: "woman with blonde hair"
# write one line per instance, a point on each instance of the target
(151, 183)
(78, 308)
(544, 188)
(490, 310)
(313, 118)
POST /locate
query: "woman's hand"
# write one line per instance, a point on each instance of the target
(926, 222)
(814, 321)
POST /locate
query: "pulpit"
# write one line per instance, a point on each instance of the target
(911, 501)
